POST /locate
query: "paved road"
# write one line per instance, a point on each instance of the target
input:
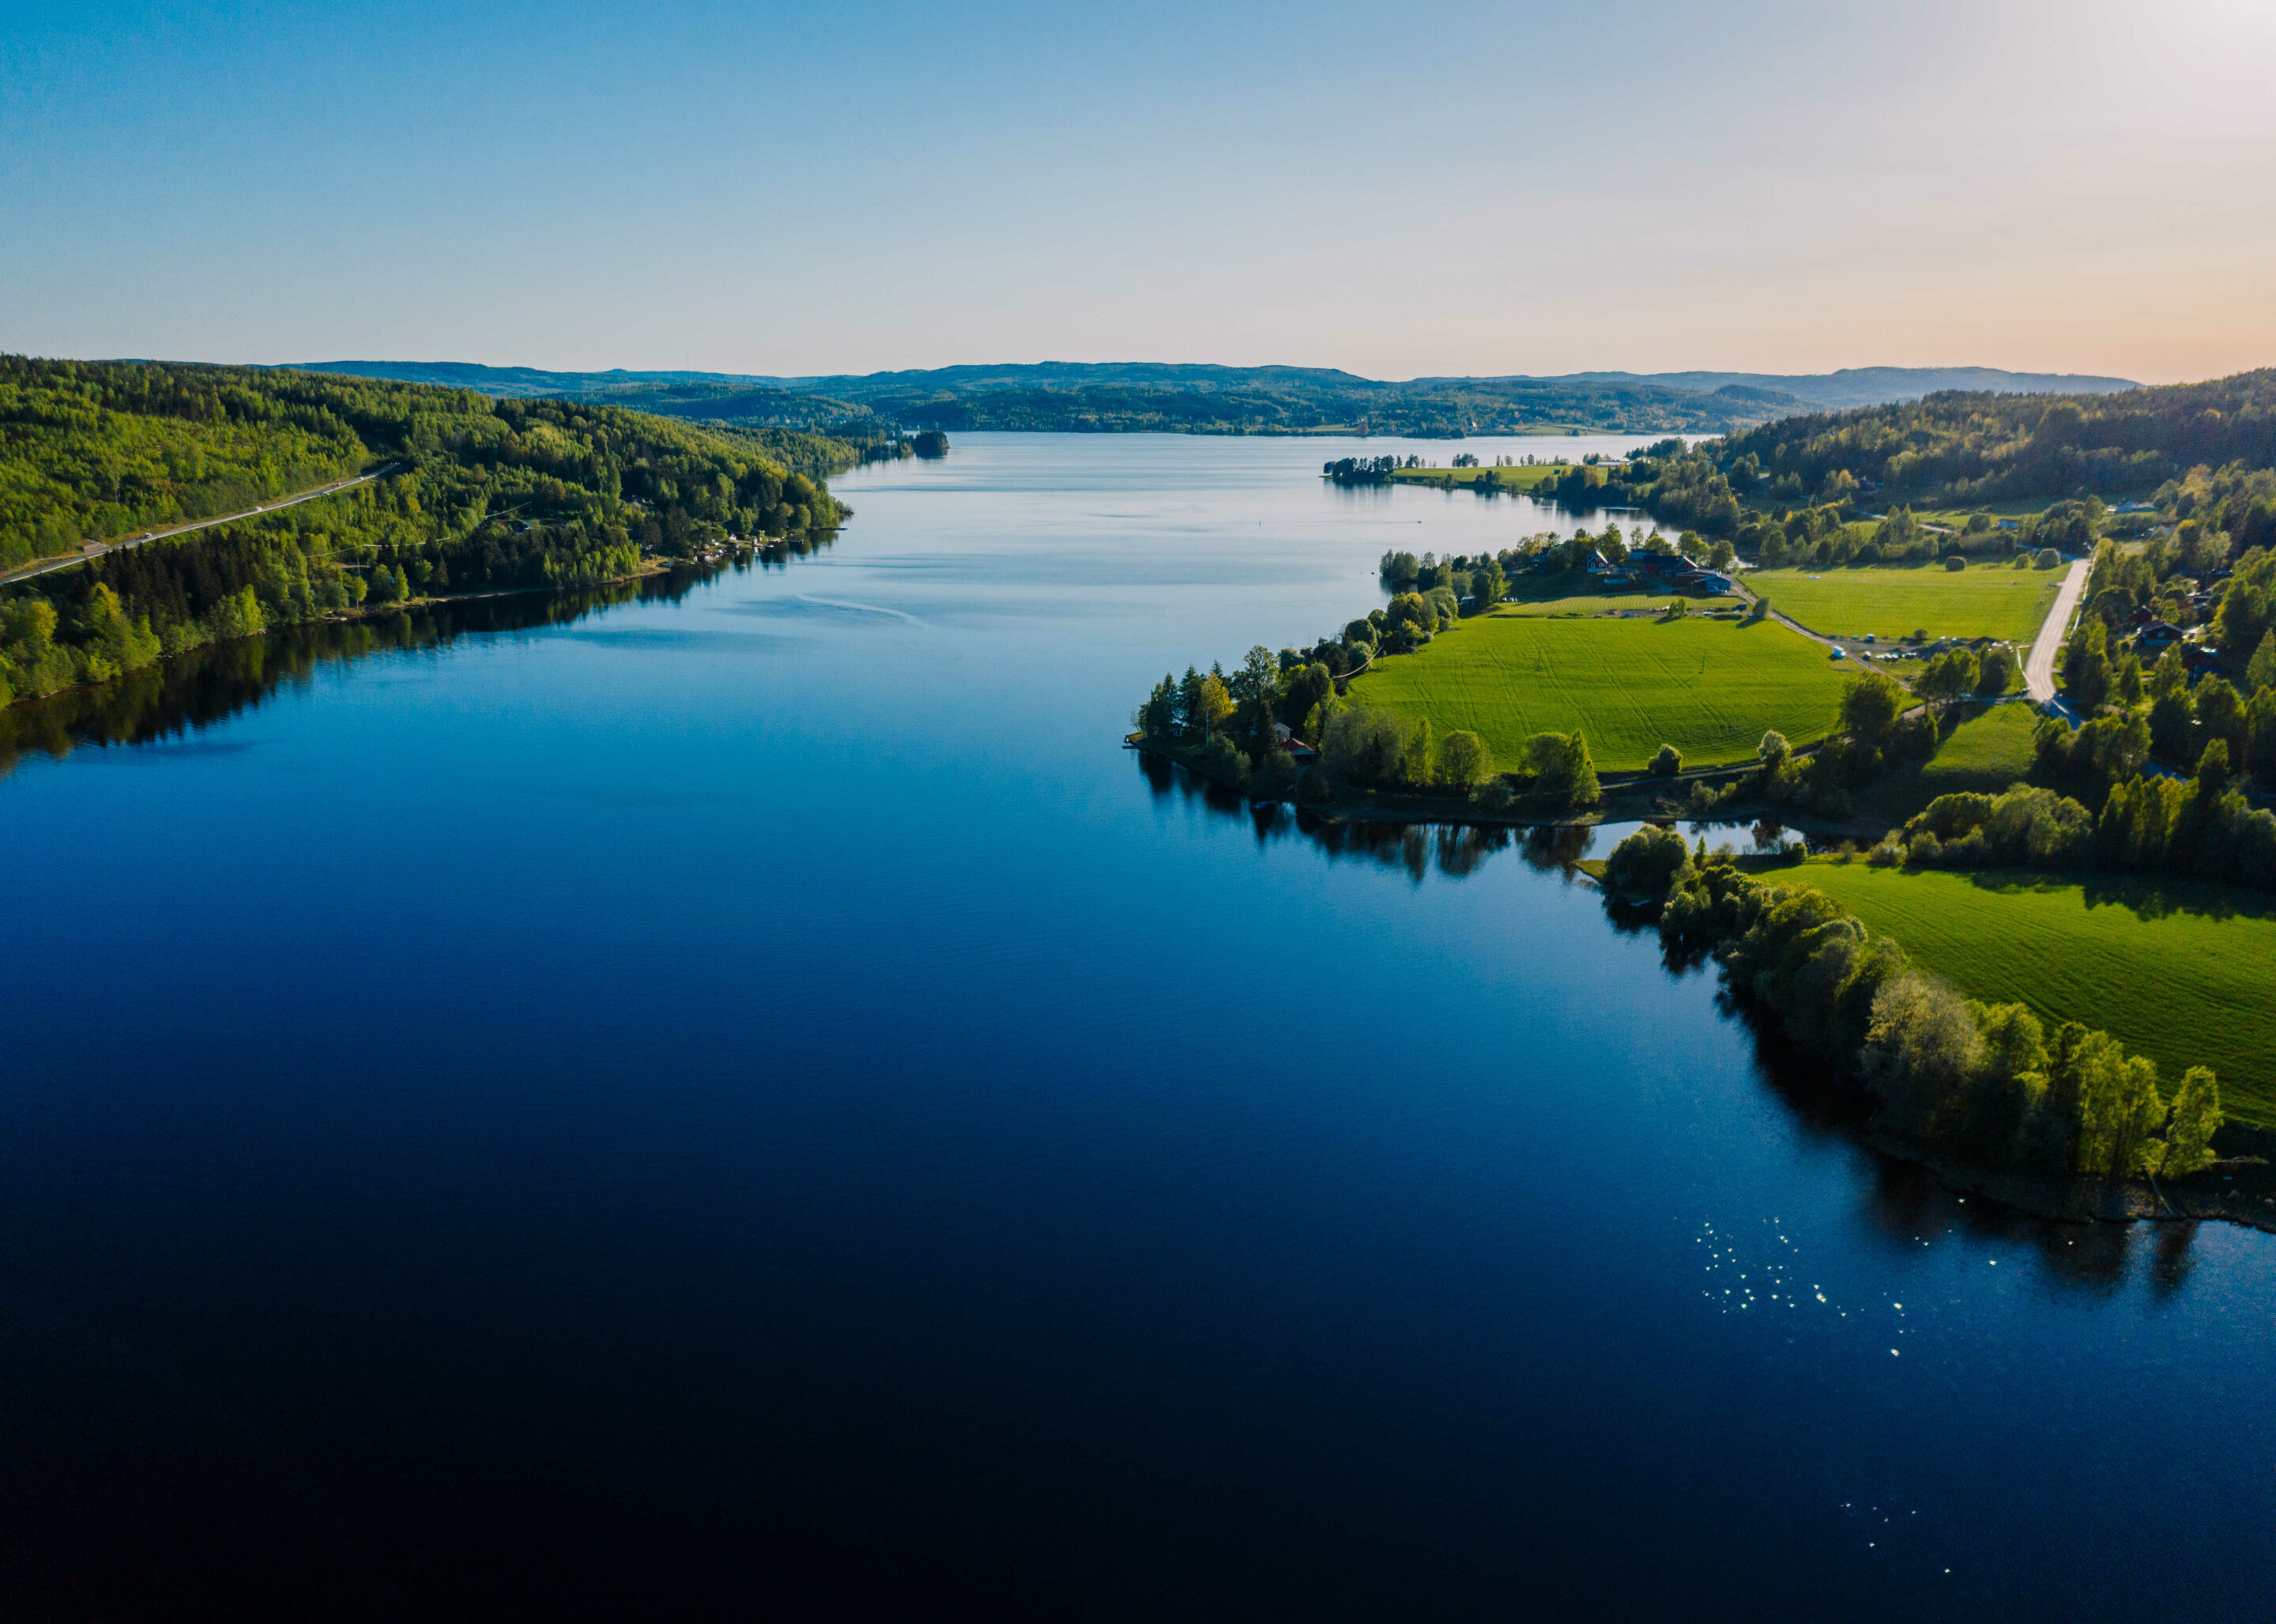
(47, 565)
(2039, 670)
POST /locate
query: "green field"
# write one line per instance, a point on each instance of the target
(1985, 754)
(1523, 477)
(1585, 604)
(1890, 601)
(2183, 972)
(1712, 689)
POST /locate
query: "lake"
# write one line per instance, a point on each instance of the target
(744, 1096)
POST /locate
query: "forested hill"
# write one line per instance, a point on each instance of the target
(485, 495)
(1856, 386)
(1083, 397)
(1977, 447)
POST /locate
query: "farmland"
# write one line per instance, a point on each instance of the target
(2183, 972)
(1890, 601)
(1587, 603)
(1525, 477)
(1709, 687)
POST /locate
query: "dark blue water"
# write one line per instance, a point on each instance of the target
(748, 1100)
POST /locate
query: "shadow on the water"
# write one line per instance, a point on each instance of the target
(181, 696)
(1902, 1203)
(1452, 850)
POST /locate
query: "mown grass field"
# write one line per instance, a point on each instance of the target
(1712, 689)
(1585, 604)
(2183, 972)
(1890, 601)
(1986, 753)
(1523, 477)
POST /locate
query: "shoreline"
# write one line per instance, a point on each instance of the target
(1631, 801)
(351, 614)
(2236, 1189)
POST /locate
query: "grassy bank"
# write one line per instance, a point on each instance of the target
(1890, 601)
(1709, 687)
(2183, 972)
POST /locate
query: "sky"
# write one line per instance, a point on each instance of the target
(2080, 186)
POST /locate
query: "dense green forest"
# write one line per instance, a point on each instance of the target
(484, 495)
(1101, 396)
(1292, 400)
(1968, 448)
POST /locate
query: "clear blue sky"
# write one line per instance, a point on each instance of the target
(2076, 186)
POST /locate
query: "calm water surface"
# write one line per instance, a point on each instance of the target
(749, 1098)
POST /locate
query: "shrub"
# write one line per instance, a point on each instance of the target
(1953, 561)
(1668, 763)
(2048, 558)
(1648, 863)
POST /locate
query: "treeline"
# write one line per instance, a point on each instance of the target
(487, 496)
(1966, 447)
(1226, 726)
(1693, 490)
(1366, 470)
(1987, 1082)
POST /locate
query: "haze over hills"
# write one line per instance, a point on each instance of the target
(1127, 396)
(1856, 386)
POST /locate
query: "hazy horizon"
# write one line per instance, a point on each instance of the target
(1528, 189)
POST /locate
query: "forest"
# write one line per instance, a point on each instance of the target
(1968, 448)
(484, 495)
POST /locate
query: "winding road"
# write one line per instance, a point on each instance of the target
(44, 565)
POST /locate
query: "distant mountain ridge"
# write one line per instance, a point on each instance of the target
(1108, 397)
(1858, 386)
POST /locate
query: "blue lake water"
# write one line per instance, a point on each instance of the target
(746, 1099)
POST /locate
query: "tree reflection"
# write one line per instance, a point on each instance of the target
(1903, 1204)
(193, 691)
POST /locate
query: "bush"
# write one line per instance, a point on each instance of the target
(1668, 763)
(2048, 559)
(1955, 562)
(1648, 863)
(1221, 758)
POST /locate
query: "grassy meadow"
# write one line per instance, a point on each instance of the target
(1890, 601)
(1586, 604)
(2180, 971)
(1709, 687)
(1989, 750)
(1523, 477)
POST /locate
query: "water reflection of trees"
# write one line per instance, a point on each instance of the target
(1901, 1202)
(210, 684)
(1452, 850)
(1906, 1207)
